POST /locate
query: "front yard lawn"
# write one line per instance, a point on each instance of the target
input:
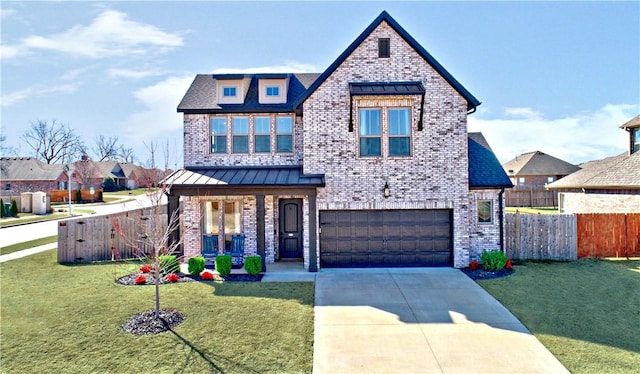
(587, 312)
(66, 319)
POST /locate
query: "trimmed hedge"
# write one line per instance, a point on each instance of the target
(253, 264)
(223, 265)
(196, 265)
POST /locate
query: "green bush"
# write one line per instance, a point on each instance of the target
(253, 264)
(223, 265)
(78, 196)
(14, 208)
(196, 265)
(109, 185)
(2, 212)
(100, 198)
(169, 264)
(493, 260)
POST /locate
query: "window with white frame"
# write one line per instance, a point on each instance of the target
(262, 134)
(284, 134)
(485, 211)
(240, 129)
(273, 91)
(218, 135)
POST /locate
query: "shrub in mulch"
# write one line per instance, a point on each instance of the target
(130, 279)
(476, 271)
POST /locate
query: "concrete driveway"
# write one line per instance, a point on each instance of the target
(418, 321)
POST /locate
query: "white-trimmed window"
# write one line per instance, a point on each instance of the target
(262, 134)
(485, 211)
(240, 130)
(218, 135)
(284, 134)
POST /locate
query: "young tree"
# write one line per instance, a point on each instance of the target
(53, 142)
(105, 149)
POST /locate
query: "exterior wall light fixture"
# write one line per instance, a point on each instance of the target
(386, 191)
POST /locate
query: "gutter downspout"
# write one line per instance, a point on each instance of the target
(501, 218)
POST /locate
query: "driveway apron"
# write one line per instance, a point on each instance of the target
(424, 320)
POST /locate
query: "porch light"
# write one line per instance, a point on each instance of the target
(386, 191)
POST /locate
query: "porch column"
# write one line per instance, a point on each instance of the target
(313, 234)
(173, 205)
(260, 229)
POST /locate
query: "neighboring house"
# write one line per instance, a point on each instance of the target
(27, 174)
(610, 185)
(537, 169)
(89, 173)
(366, 164)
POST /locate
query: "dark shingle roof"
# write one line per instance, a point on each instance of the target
(264, 176)
(472, 102)
(538, 163)
(485, 170)
(28, 169)
(201, 95)
(618, 172)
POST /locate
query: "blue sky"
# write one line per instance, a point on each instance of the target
(558, 77)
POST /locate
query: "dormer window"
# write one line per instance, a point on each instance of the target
(273, 91)
(384, 48)
(229, 91)
(636, 140)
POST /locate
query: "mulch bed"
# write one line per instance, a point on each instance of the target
(146, 323)
(481, 273)
(129, 280)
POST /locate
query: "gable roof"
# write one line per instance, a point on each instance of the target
(27, 169)
(632, 123)
(472, 102)
(617, 172)
(485, 170)
(200, 98)
(538, 163)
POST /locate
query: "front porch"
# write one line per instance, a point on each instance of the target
(280, 271)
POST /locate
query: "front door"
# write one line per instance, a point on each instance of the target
(290, 228)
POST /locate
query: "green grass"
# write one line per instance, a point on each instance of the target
(66, 319)
(136, 192)
(545, 210)
(587, 312)
(29, 244)
(30, 218)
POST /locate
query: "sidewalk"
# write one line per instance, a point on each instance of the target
(27, 252)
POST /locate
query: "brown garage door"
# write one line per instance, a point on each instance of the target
(385, 238)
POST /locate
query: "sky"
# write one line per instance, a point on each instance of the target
(555, 77)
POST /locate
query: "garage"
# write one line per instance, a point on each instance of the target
(385, 238)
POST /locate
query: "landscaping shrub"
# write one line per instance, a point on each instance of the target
(145, 269)
(109, 185)
(2, 212)
(169, 264)
(207, 275)
(100, 197)
(223, 265)
(473, 265)
(78, 196)
(14, 208)
(141, 279)
(493, 260)
(173, 277)
(253, 264)
(196, 265)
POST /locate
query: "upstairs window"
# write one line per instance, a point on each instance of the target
(240, 135)
(399, 132)
(273, 91)
(370, 133)
(384, 47)
(229, 92)
(636, 140)
(218, 135)
(284, 134)
(262, 131)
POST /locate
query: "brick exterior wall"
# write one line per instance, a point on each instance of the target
(484, 236)
(576, 202)
(17, 187)
(436, 176)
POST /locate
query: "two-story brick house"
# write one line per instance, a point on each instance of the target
(366, 164)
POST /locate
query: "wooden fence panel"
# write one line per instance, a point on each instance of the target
(529, 197)
(113, 237)
(608, 235)
(538, 236)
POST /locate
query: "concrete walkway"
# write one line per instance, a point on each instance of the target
(27, 252)
(418, 321)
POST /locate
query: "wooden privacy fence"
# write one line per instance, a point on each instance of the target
(113, 237)
(571, 236)
(529, 197)
(58, 196)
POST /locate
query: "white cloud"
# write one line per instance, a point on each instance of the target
(110, 34)
(133, 74)
(20, 95)
(287, 67)
(577, 138)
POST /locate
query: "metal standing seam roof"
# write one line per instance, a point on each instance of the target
(244, 176)
(386, 88)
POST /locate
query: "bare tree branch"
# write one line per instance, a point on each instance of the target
(53, 143)
(105, 148)
(125, 154)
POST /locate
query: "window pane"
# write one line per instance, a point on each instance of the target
(273, 91)
(240, 125)
(484, 211)
(229, 91)
(370, 147)
(211, 217)
(399, 146)
(219, 126)
(263, 143)
(262, 125)
(636, 140)
(240, 144)
(284, 125)
(369, 122)
(399, 123)
(285, 143)
(219, 144)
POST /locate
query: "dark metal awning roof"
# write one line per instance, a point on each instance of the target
(264, 176)
(385, 88)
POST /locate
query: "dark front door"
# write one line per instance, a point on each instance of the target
(290, 228)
